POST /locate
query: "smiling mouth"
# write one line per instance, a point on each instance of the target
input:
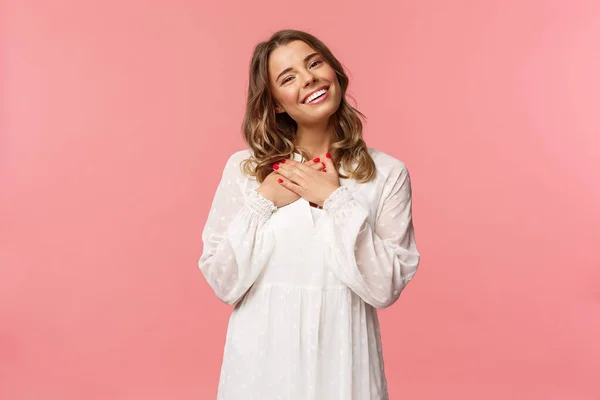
(319, 93)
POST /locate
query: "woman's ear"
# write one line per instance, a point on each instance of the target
(278, 109)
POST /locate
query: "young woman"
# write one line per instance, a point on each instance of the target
(310, 232)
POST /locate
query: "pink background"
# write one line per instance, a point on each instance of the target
(119, 116)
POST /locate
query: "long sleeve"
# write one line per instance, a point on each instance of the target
(236, 242)
(375, 262)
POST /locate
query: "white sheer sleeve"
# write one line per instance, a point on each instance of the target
(375, 262)
(236, 242)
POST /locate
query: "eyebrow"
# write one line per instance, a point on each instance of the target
(308, 57)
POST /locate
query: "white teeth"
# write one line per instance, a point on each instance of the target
(315, 95)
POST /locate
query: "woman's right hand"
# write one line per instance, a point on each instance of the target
(272, 190)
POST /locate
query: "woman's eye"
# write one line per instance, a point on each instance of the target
(317, 62)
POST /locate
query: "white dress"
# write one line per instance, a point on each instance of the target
(306, 284)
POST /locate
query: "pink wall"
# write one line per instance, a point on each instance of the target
(117, 120)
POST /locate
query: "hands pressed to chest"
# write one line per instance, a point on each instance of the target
(313, 180)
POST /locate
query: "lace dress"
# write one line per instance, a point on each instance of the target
(306, 283)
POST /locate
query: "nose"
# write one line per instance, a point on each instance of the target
(310, 78)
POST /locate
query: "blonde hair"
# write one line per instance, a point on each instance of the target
(270, 136)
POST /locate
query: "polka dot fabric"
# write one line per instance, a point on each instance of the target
(306, 284)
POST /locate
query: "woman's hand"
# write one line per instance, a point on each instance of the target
(309, 183)
(272, 190)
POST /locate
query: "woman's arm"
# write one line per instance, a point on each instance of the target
(236, 243)
(376, 262)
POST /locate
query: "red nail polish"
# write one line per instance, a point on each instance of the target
(323, 163)
(282, 161)
(275, 166)
(328, 155)
(324, 170)
(280, 180)
(317, 160)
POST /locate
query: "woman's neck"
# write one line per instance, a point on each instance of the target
(315, 140)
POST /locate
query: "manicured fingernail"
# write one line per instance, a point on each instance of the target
(328, 155)
(317, 160)
(280, 180)
(324, 170)
(282, 161)
(275, 166)
(323, 163)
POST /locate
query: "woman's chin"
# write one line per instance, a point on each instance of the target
(322, 113)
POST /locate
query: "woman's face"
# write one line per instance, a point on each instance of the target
(297, 71)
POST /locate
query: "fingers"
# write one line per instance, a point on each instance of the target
(291, 175)
(315, 164)
(290, 170)
(288, 184)
(328, 163)
(296, 171)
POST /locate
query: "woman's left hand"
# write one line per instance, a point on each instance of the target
(309, 183)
